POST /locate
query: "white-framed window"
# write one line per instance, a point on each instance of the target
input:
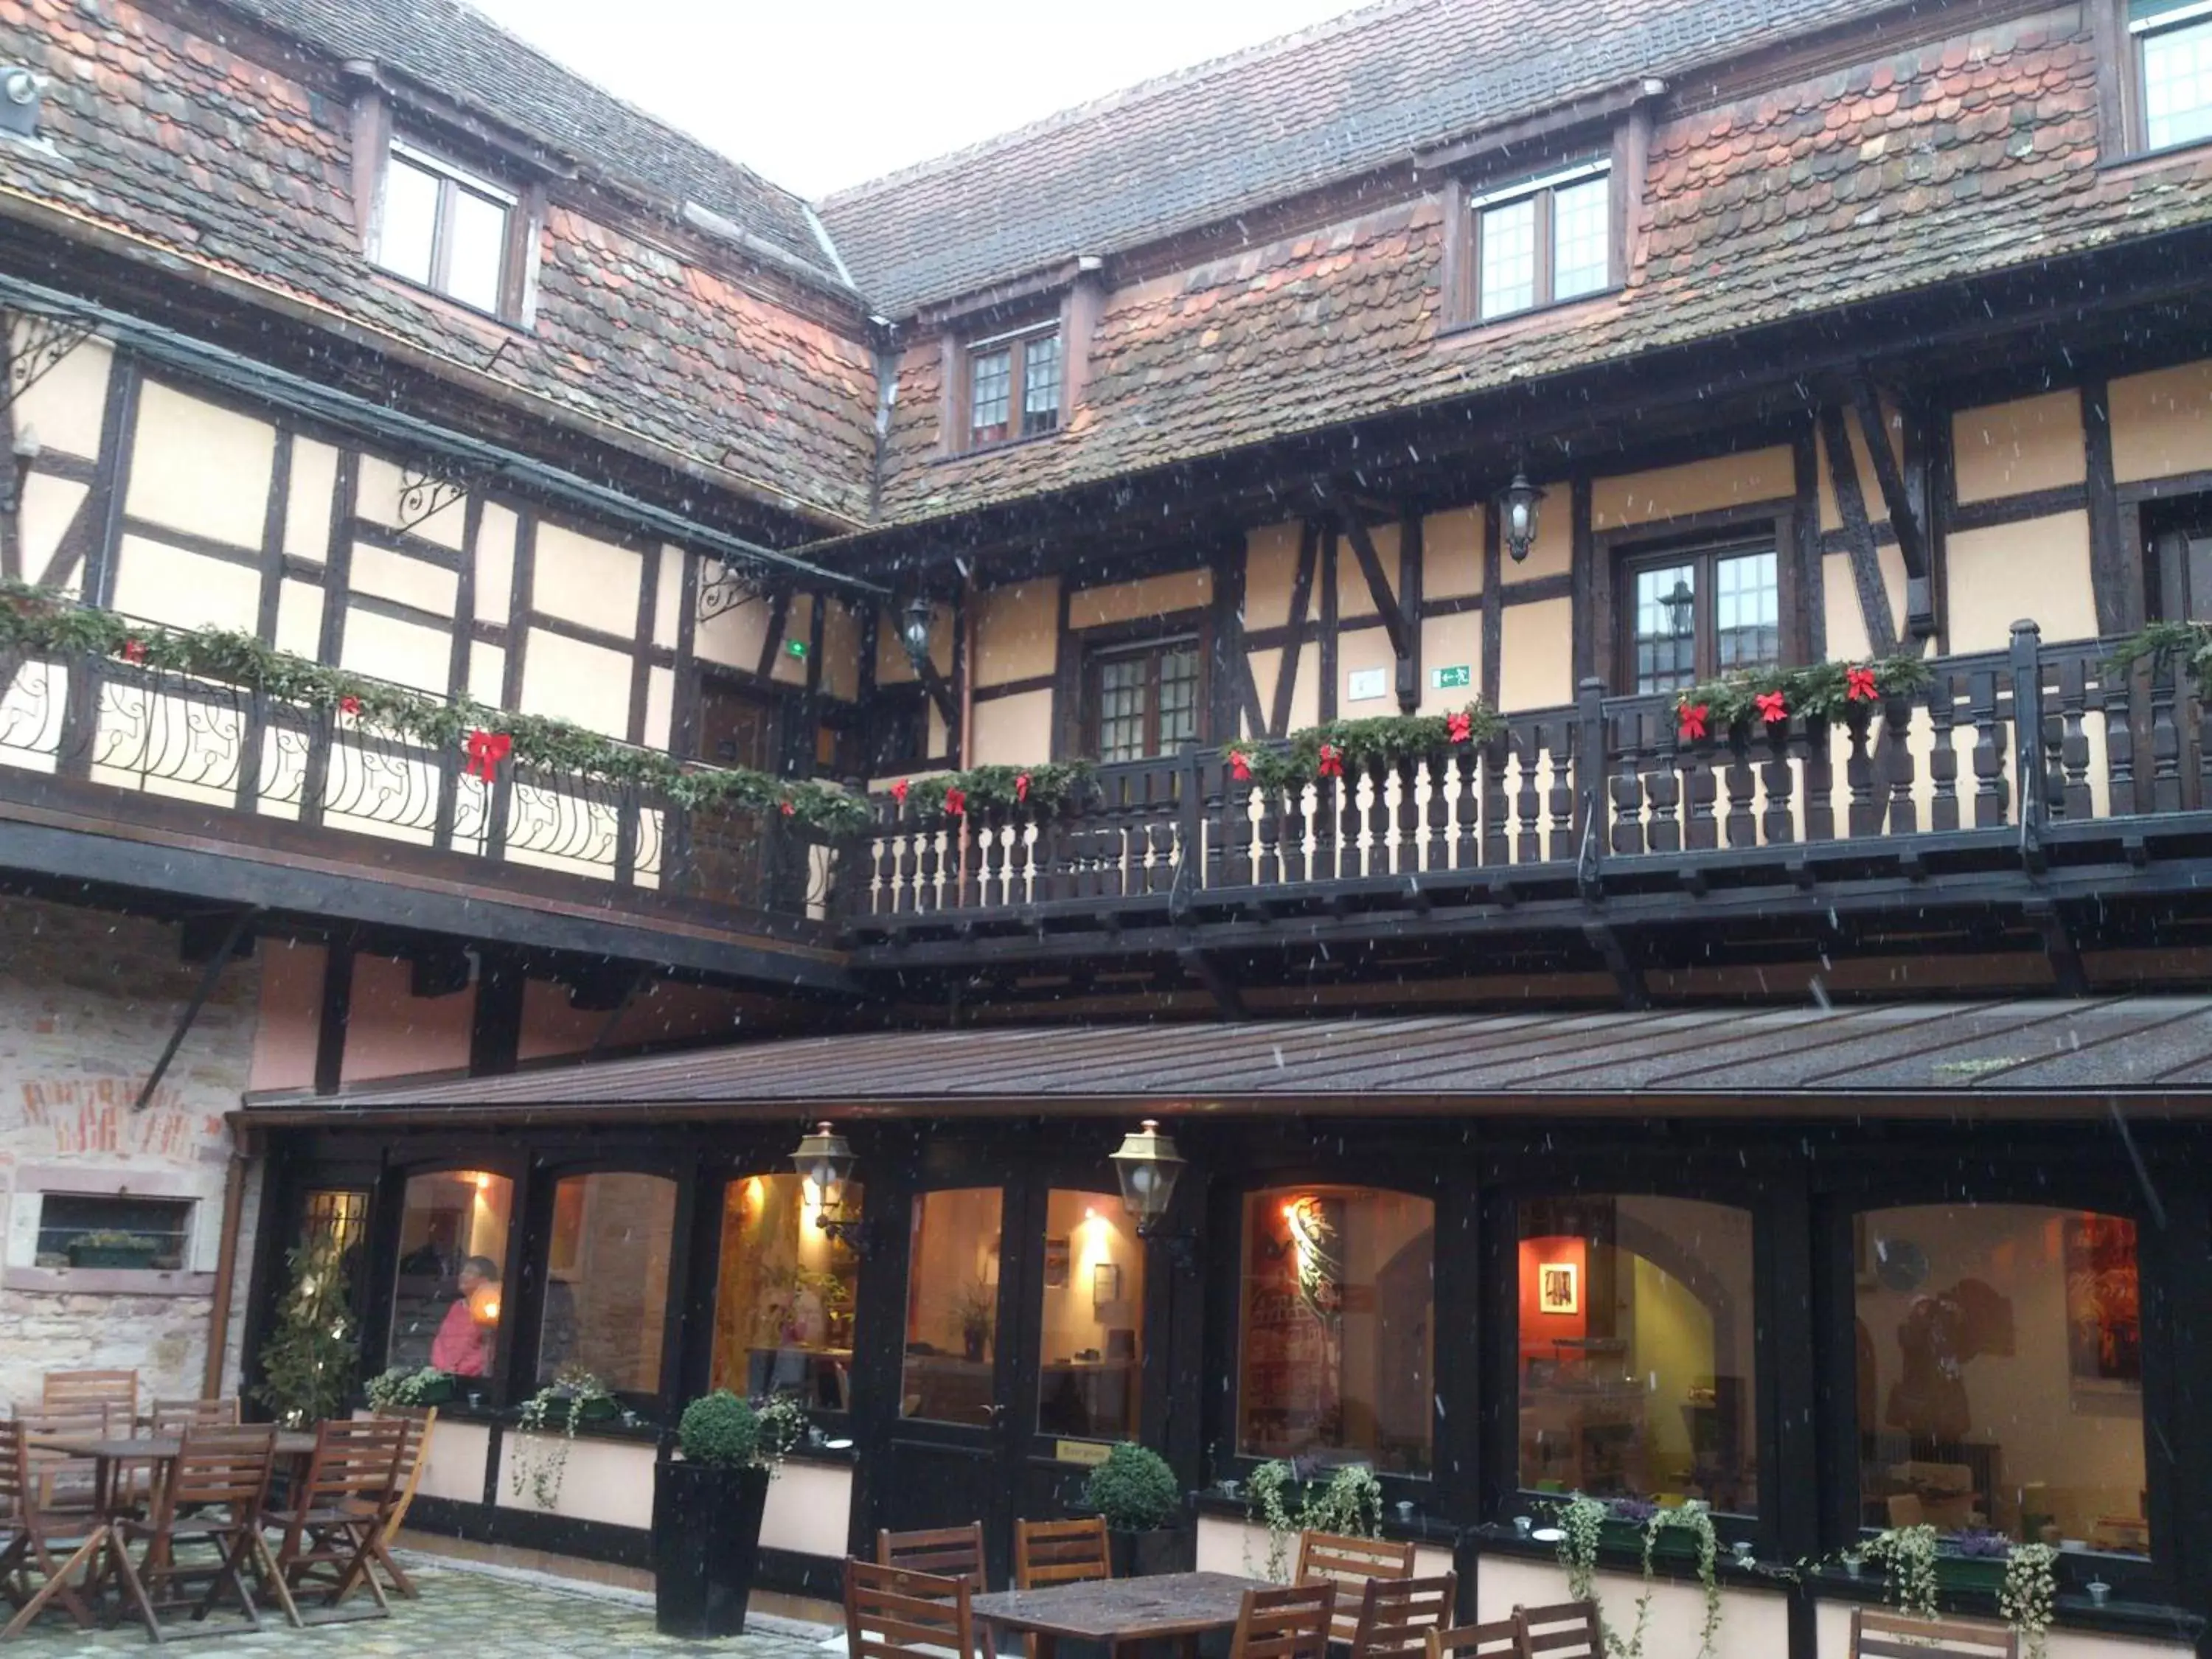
(1542, 241)
(1013, 386)
(2172, 41)
(446, 228)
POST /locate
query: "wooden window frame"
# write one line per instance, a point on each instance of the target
(518, 201)
(1152, 636)
(2125, 122)
(1015, 343)
(1543, 190)
(1764, 532)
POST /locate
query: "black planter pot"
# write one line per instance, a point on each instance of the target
(705, 1542)
(1147, 1554)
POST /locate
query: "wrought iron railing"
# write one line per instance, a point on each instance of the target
(160, 732)
(1603, 781)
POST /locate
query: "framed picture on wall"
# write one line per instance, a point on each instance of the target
(1105, 1284)
(1057, 1256)
(1559, 1288)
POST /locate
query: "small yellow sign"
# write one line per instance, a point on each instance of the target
(1080, 1451)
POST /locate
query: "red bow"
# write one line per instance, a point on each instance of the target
(1771, 708)
(788, 809)
(134, 650)
(1459, 728)
(1022, 787)
(1692, 716)
(349, 705)
(1859, 686)
(898, 791)
(1240, 769)
(955, 803)
(1332, 763)
(486, 750)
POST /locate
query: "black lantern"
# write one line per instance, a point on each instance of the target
(1148, 1165)
(824, 1161)
(913, 631)
(1518, 516)
(1681, 609)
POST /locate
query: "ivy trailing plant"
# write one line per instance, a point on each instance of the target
(401, 1386)
(539, 1457)
(47, 622)
(2028, 1599)
(1348, 1503)
(1907, 1557)
(1581, 1522)
(1340, 748)
(1759, 699)
(2161, 642)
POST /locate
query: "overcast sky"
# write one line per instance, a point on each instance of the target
(821, 93)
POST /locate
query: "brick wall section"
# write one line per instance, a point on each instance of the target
(87, 999)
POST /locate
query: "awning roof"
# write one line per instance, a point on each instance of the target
(2031, 1055)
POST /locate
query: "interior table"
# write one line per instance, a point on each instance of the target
(1178, 1606)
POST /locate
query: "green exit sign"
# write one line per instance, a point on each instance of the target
(1451, 679)
(798, 648)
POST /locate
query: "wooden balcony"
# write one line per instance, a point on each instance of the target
(1583, 818)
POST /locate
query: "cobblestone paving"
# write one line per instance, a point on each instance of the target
(462, 1614)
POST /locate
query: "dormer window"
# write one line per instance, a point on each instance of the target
(1013, 386)
(2173, 52)
(448, 229)
(1543, 240)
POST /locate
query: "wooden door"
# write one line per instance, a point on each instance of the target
(728, 849)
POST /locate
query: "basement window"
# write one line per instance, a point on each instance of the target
(79, 1230)
(447, 230)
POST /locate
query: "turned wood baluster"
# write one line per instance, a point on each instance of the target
(1864, 815)
(1466, 808)
(1407, 852)
(991, 838)
(1294, 834)
(927, 893)
(2200, 739)
(1167, 783)
(2164, 738)
(1018, 860)
(1496, 815)
(1742, 826)
(2073, 794)
(1662, 784)
(1626, 784)
(1438, 808)
(1819, 781)
(1351, 858)
(890, 840)
(1944, 755)
(1564, 841)
(1236, 830)
(1268, 869)
(1990, 803)
(966, 853)
(1896, 723)
(1529, 838)
(2115, 700)
(1701, 790)
(1777, 775)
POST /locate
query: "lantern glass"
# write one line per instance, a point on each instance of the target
(1521, 502)
(1681, 605)
(915, 630)
(1147, 1165)
(824, 1160)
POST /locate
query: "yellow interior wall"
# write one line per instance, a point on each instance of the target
(1669, 492)
(2037, 570)
(62, 410)
(1014, 632)
(198, 467)
(1155, 596)
(1536, 665)
(2008, 449)
(573, 681)
(1014, 731)
(2162, 421)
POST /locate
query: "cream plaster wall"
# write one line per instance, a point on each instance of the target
(1014, 632)
(300, 618)
(310, 488)
(406, 652)
(799, 624)
(2162, 421)
(608, 1480)
(185, 590)
(1719, 481)
(573, 681)
(809, 1509)
(284, 1034)
(2037, 570)
(1013, 730)
(1453, 641)
(659, 705)
(64, 408)
(1537, 661)
(1834, 1620)
(1155, 596)
(200, 467)
(455, 1466)
(48, 505)
(1365, 648)
(841, 651)
(496, 564)
(404, 579)
(586, 579)
(392, 1033)
(1845, 621)
(1553, 553)
(1271, 567)
(487, 674)
(1354, 597)
(1754, 1624)
(2008, 449)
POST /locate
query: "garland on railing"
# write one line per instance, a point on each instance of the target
(2189, 642)
(1768, 697)
(36, 619)
(1040, 788)
(1329, 750)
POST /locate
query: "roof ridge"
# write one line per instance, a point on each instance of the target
(1344, 22)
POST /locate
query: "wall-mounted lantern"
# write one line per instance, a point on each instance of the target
(1518, 516)
(914, 632)
(1148, 1165)
(824, 1161)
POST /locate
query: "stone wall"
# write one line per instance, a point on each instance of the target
(87, 998)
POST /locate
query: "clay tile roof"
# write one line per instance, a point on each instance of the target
(1330, 102)
(461, 54)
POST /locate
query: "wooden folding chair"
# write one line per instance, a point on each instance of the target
(114, 1392)
(65, 1481)
(213, 1495)
(414, 1452)
(946, 1551)
(1500, 1639)
(893, 1614)
(1061, 1551)
(1566, 1630)
(1329, 1558)
(1397, 1616)
(332, 1521)
(33, 1536)
(170, 1417)
(1291, 1623)
(1879, 1635)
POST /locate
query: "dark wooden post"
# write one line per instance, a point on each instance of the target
(2033, 778)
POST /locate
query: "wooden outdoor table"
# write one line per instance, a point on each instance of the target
(158, 1448)
(1182, 1606)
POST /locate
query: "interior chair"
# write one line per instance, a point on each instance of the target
(1566, 1630)
(1876, 1634)
(1291, 1623)
(892, 1612)
(1328, 1558)
(212, 1495)
(1397, 1616)
(40, 1549)
(944, 1552)
(332, 1521)
(1500, 1639)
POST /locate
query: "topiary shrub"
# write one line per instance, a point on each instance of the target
(720, 1429)
(1134, 1489)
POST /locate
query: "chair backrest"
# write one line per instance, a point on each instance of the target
(1329, 1558)
(1397, 1616)
(946, 1551)
(1567, 1630)
(225, 1467)
(69, 1391)
(1498, 1640)
(355, 1461)
(1291, 1623)
(15, 1470)
(1061, 1551)
(893, 1614)
(63, 1480)
(413, 1452)
(174, 1417)
(1879, 1635)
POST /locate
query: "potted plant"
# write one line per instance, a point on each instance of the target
(307, 1362)
(110, 1249)
(536, 1459)
(1137, 1494)
(1973, 1560)
(978, 1311)
(707, 1505)
(402, 1386)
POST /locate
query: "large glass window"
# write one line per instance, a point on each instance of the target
(447, 1299)
(2174, 41)
(953, 1306)
(443, 227)
(783, 1298)
(1092, 1324)
(607, 1279)
(1336, 1320)
(2000, 1373)
(1690, 615)
(1636, 1338)
(1544, 240)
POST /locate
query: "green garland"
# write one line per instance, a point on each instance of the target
(43, 621)
(1041, 789)
(1357, 746)
(2190, 643)
(1821, 690)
